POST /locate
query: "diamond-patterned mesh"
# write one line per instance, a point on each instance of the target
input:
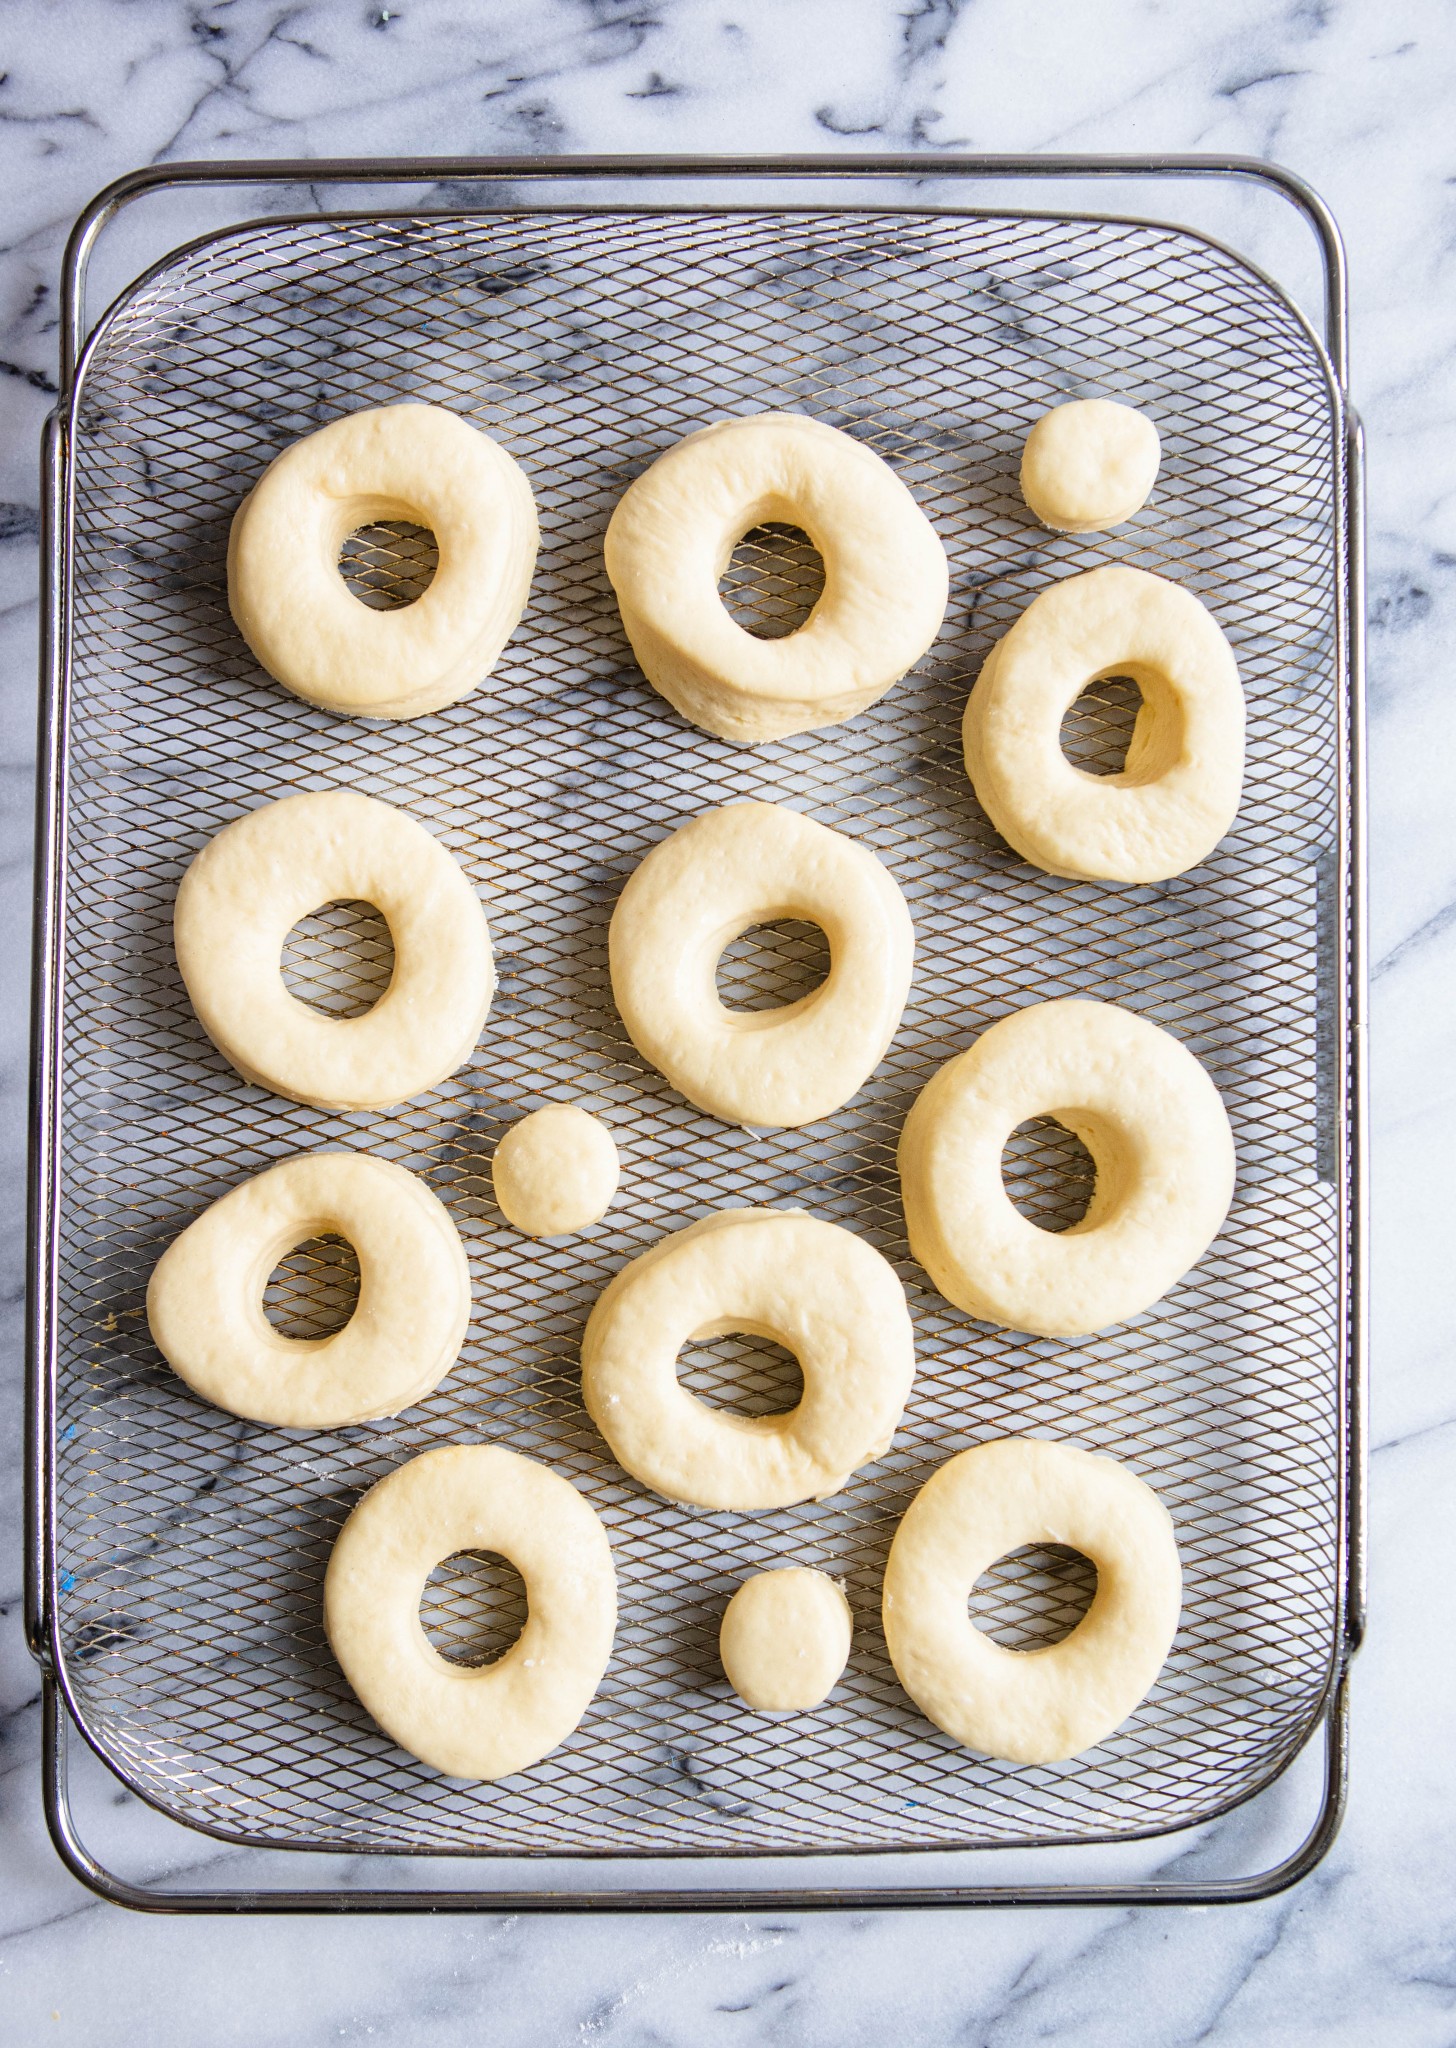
(192, 1545)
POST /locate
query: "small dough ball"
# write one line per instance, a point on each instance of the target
(1089, 465)
(556, 1171)
(785, 1639)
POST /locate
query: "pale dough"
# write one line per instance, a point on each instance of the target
(1158, 1134)
(1089, 464)
(673, 533)
(205, 1299)
(250, 885)
(492, 1720)
(785, 1639)
(825, 1294)
(1178, 790)
(708, 882)
(555, 1171)
(1031, 1706)
(406, 462)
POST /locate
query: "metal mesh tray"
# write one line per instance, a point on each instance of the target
(190, 1547)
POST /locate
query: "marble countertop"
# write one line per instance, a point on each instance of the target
(1356, 98)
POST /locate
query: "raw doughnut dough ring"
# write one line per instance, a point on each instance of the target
(674, 532)
(1157, 1131)
(785, 1638)
(711, 880)
(250, 885)
(485, 1721)
(812, 1286)
(1089, 465)
(1031, 1706)
(413, 462)
(555, 1171)
(1178, 791)
(205, 1298)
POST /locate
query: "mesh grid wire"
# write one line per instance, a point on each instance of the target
(192, 1545)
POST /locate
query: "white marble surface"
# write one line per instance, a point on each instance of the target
(1357, 96)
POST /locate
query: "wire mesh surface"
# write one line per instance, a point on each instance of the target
(192, 1545)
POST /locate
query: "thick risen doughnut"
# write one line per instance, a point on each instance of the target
(1159, 1138)
(408, 462)
(1031, 1706)
(205, 1298)
(811, 1286)
(555, 1171)
(671, 538)
(784, 1639)
(482, 1721)
(715, 877)
(1178, 790)
(1089, 464)
(248, 888)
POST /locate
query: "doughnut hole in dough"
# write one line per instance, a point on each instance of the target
(1089, 464)
(555, 1171)
(774, 579)
(785, 1639)
(1160, 1141)
(1031, 1706)
(472, 1721)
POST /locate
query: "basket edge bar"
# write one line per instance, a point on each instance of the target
(119, 1891)
(534, 169)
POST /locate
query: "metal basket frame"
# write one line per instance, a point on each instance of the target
(519, 185)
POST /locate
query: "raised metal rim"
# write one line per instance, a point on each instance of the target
(557, 169)
(57, 535)
(215, 238)
(120, 1891)
(1319, 1716)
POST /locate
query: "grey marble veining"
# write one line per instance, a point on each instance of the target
(1356, 97)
